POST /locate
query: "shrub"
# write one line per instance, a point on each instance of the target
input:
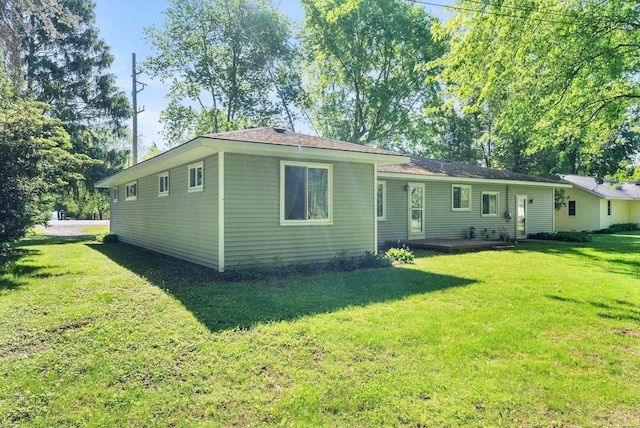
(623, 227)
(402, 255)
(108, 238)
(562, 236)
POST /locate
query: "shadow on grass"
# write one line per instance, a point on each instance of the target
(221, 305)
(615, 310)
(12, 268)
(617, 250)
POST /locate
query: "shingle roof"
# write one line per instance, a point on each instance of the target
(444, 168)
(606, 189)
(284, 137)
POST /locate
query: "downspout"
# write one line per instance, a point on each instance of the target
(375, 208)
(221, 211)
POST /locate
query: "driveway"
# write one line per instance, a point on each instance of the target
(69, 227)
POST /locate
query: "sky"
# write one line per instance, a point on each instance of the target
(121, 24)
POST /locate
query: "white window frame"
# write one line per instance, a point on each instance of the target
(114, 194)
(197, 187)
(497, 195)
(461, 186)
(306, 222)
(163, 181)
(384, 199)
(132, 195)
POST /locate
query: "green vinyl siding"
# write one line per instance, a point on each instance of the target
(254, 234)
(182, 224)
(442, 222)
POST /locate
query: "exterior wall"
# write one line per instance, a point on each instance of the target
(587, 212)
(182, 224)
(634, 211)
(442, 222)
(253, 233)
(619, 212)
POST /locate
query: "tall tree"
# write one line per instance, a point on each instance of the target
(65, 64)
(556, 80)
(368, 82)
(14, 26)
(35, 162)
(230, 64)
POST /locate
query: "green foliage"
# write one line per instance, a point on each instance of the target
(367, 79)
(64, 63)
(620, 227)
(550, 92)
(562, 236)
(233, 58)
(35, 162)
(402, 255)
(108, 238)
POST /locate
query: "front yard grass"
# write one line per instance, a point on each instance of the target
(111, 335)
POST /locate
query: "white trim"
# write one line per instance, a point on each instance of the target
(422, 234)
(384, 199)
(202, 147)
(306, 222)
(131, 196)
(197, 187)
(115, 193)
(400, 176)
(497, 194)
(469, 208)
(575, 208)
(162, 176)
(221, 211)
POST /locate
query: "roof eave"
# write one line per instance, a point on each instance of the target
(448, 178)
(204, 146)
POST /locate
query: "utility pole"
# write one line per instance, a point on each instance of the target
(136, 111)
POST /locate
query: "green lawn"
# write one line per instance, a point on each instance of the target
(109, 335)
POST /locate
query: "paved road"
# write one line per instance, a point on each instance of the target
(69, 227)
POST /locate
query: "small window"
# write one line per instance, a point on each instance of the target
(489, 204)
(572, 208)
(460, 198)
(381, 200)
(163, 184)
(608, 208)
(114, 194)
(132, 191)
(305, 193)
(196, 177)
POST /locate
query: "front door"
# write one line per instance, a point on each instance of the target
(521, 216)
(416, 211)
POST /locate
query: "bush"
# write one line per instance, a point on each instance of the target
(108, 238)
(402, 255)
(562, 236)
(623, 227)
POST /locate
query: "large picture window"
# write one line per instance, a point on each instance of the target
(305, 193)
(460, 198)
(489, 204)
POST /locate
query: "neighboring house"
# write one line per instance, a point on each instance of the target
(266, 194)
(429, 198)
(594, 204)
(251, 196)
